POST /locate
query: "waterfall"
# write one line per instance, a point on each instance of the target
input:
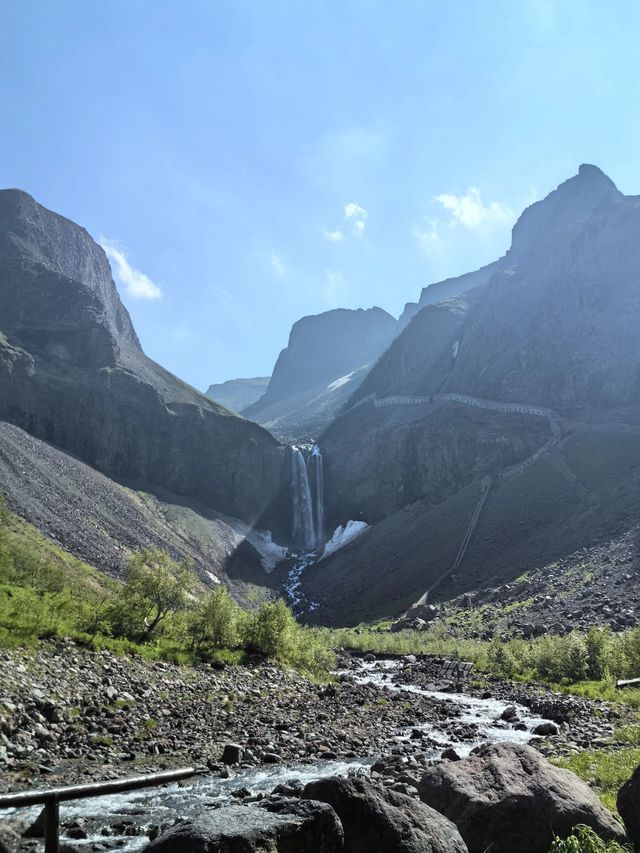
(318, 481)
(303, 531)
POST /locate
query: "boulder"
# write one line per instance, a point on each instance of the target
(628, 803)
(377, 820)
(507, 797)
(545, 729)
(282, 826)
(232, 753)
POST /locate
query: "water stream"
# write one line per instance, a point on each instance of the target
(161, 806)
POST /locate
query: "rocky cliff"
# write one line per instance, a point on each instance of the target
(496, 380)
(326, 358)
(72, 372)
(237, 394)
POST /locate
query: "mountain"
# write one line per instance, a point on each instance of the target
(237, 394)
(503, 424)
(327, 356)
(72, 372)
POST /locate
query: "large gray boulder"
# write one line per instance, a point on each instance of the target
(376, 820)
(285, 826)
(508, 797)
(628, 802)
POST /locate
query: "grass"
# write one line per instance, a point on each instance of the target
(604, 771)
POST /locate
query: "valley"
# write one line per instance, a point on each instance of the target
(283, 593)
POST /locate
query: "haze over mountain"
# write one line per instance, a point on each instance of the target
(327, 356)
(555, 327)
(237, 394)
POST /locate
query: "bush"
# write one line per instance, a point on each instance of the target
(215, 622)
(585, 840)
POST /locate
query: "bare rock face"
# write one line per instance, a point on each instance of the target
(508, 797)
(237, 394)
(72, 372)
(376, 819)
(325, 360)
(289, 826)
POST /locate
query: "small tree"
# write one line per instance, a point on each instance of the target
(156, 586)
(272, 630)
(215, 621)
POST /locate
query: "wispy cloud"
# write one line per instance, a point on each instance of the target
(470, 210)
(427, 234)
(136, 283)
(334, 236)
(355, 213)
(278, 265)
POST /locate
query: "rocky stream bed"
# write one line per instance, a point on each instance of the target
(69, 715)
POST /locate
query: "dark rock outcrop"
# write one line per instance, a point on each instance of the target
(507, 797)
(628, 804)
(290, 826)
(237, 394)
(376, 819)
(72, 372)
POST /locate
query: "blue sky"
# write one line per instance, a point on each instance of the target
(246, 163)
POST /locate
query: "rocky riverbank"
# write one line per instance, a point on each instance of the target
(71, 715)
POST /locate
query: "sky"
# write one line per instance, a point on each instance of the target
(248, 162)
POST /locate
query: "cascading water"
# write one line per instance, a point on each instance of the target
(303, 529)
(318, 481)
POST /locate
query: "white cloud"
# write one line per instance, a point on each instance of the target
(278, 264)
(353, 210)
(334, 236)
(471, 211)
(136, 283)
(356, 214)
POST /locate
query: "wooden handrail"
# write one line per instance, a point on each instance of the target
(52, 797)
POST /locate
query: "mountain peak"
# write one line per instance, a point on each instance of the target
(572, 201)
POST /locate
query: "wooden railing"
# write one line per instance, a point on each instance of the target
(52, 797)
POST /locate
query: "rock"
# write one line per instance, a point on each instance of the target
(545, 729)
(450, 754)
(378, 819)
(508, 797)
(628, 803)
(509, 714)
(286, 826)
(232, 753)
(36, 830)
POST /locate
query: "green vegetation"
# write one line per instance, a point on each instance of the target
(46, 593)
(604, 771)
(585, 840)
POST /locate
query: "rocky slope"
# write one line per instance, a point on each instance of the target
(72, 372)
(325, 359)
(237, 394)
(532, 379)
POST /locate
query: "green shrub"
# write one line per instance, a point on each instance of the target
(585, 840)
(216, 621)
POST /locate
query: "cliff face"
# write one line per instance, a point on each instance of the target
(553, 324)
(325, 360)
(237, 394)
(72, 372)
(558, 326)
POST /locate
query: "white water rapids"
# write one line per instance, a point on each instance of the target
(163, 805)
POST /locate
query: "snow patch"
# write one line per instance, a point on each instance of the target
(270, 552)
(343, 535)
(212, 577)
(338, 383)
